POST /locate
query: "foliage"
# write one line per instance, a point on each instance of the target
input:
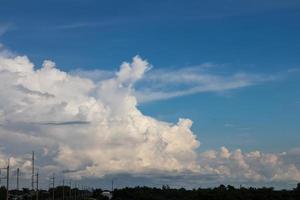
(222, 192)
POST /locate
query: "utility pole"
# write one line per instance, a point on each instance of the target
(75, 191)
(53, 185)
(7, 180)
(18, 176)
(6, 177)
(112, 185)
(37, 185)
(32, 173)
(70, 191)
(63, 197)
(79, 192)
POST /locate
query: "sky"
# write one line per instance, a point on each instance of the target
(185, 93)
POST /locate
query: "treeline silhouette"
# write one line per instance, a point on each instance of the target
(165, 193)
(219, 193)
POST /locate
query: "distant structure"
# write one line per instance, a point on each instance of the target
(35, 193)
(32, 175)
(70, 191)
(6, 177)
(53, 186)
(18, 176)
(63, 182)
(37, 185)
(107, 193)
(34, 178)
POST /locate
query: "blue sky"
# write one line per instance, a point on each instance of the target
(256, 37)
(259, 37)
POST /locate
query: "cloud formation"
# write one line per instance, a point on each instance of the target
(160, 84)
(166, 84)
(4, 28)
(253, 166)
(103, 131)
(88, 129)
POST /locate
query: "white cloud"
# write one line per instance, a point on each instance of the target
(253, 166)
(4, 28)
(160, 84)
(165, 84)
(92, 129)
(96, 75)
(4, 52)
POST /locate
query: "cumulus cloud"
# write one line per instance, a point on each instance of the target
(90, 128)
(253, 166)
(85, 128)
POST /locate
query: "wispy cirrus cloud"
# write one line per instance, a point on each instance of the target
(4, 51)
(89, 24)
(4, 28)
(161, 84)
(166, 84)
(95, 75)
